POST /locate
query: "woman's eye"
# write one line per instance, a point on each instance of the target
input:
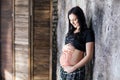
(71, 21)
(76, 19)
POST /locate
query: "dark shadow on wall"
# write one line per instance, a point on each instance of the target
(90, 66)
(95, 23)
(93, 59)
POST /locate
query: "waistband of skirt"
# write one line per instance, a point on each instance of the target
(79, 69)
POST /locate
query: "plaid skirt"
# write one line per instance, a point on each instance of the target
(78, 74)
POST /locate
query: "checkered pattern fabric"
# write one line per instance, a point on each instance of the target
(78, 74)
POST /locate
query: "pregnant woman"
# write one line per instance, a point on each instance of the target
(78, 48)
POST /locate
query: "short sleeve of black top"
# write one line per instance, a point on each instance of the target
(79, 40)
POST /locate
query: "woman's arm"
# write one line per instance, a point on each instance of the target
(86, 59)
(88, 56)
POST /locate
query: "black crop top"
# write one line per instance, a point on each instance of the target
(78, 40)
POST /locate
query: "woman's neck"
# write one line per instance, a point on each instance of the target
(77, 30)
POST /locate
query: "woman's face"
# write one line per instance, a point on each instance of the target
(74, 20)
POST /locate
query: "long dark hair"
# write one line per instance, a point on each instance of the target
(81, 19)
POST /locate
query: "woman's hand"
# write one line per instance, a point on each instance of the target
(68, 48)
(69, 69)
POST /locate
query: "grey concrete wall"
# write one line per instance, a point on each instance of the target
(106, 22)
(104, 16)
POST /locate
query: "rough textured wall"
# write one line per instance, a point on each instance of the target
(103, 16)
(106, 22)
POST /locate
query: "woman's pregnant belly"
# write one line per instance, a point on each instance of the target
(67, 59)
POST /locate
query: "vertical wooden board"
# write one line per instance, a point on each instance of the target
(21, 40)
(41, 39)
(6, 38)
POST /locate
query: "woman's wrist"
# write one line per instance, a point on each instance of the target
(74, 67)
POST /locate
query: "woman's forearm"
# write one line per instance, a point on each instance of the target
(82, 62)
(88, 56)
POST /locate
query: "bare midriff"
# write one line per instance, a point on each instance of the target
(70, 59)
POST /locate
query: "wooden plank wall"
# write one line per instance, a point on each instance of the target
(21, 40)
(18, 38)
(6, 37)
(41, 39)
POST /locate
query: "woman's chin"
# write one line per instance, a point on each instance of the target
(75, 26)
